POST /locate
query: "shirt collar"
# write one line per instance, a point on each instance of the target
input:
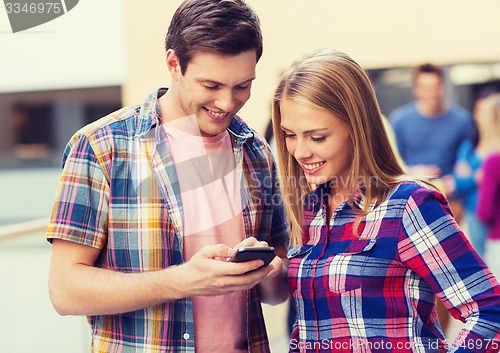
(149, 112)
(322, 192)
(240, 132)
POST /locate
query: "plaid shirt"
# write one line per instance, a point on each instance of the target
(375, 292)
(119, 192)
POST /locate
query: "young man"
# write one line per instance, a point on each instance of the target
(428, 131)
(155, 198)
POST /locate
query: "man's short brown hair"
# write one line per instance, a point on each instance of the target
(227, 27)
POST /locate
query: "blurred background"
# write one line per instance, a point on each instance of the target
(102, 55)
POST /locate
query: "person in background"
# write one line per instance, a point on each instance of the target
(488, 207)
(429, 131)
(463, 183)
(371, 249)
(428, 134)
(155, 198)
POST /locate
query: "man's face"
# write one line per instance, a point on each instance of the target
(428, 89)
(213, 88)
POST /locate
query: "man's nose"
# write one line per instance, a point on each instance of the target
(226, 100)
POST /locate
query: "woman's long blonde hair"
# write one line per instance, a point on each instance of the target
(332, 81)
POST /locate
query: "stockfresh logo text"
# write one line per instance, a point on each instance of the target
(25, 14)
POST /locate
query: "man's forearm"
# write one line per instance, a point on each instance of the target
(95, 291)
(78, 288)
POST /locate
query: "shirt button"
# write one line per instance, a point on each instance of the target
(186, 336)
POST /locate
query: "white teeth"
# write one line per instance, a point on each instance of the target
(218, 115)
(312, 166)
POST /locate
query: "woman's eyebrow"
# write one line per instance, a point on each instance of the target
(312, 131)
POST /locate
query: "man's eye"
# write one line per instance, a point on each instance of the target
(211, 87)
(242, 88)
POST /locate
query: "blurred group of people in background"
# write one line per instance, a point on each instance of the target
(450, 147)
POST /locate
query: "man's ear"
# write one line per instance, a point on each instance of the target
(173, 64)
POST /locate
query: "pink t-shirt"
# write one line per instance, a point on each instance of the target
(212, 209)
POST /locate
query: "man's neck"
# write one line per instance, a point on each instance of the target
(430, 111)
(168, 106)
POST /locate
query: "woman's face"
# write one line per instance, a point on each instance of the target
(319, 141)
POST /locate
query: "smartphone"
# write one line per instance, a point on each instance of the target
(264, 253)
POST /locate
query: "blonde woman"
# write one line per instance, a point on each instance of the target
(488, 209)
(371, 250)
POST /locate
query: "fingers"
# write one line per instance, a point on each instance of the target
(240, 268)
(209, 272)
(251, 241)
(214, 251)
(246, 280)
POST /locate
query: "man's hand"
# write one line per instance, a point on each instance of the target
(209, 272)
(274, 287)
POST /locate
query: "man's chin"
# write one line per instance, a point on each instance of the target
(210, 131)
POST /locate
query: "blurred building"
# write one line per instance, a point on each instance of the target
(101, 55)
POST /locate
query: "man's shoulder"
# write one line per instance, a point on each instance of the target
(460, 114)
(138, 118)
(99, 136)
(403, 112)
(111, 124)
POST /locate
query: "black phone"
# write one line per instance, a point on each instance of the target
(264, 253)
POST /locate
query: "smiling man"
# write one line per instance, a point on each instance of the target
(155, 198)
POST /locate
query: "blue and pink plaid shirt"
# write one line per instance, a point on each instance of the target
(119, 192)
(375, 292)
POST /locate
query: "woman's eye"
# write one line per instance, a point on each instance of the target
(285, 135)
(318, 139)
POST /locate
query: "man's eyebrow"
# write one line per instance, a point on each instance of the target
(221, 84)
(247, 81)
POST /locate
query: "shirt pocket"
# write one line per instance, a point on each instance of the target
(299, 251)
(347, 264)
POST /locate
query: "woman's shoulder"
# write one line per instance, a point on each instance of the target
(416, 190)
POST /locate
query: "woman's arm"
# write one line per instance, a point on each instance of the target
(437, 250)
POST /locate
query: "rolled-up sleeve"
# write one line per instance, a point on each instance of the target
(80, 211)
